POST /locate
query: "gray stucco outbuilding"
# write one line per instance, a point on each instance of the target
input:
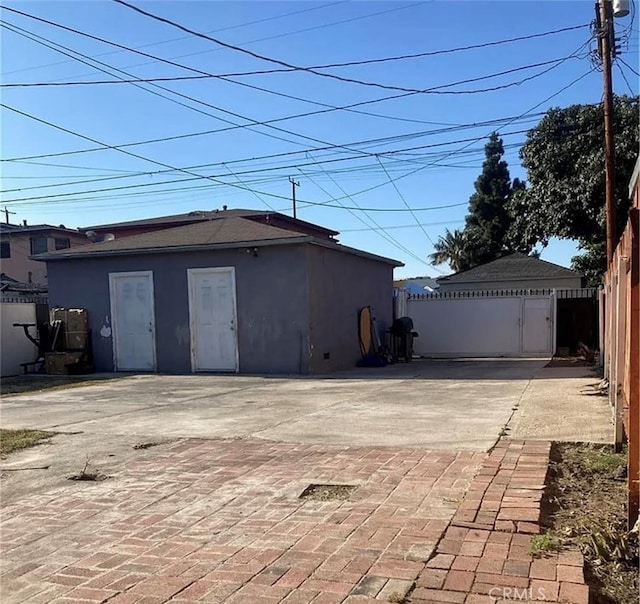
(230, 294)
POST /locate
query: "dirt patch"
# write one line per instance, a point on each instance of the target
(569, 362)
(585, 506)
(328, 492)
(142, 446)
(15, 440)
(37, 383)
(88, 474)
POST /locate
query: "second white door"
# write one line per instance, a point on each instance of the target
(536, 330)
(212, 312)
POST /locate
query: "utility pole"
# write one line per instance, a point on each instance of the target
(6, 214)
(294, 184)
(606, 38)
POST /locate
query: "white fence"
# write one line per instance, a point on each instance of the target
(15, 347)
(482, 324)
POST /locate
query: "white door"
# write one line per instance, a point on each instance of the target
(536, 328)
(212, 312)
(133, 321)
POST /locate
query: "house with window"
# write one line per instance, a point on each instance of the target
(18, 243)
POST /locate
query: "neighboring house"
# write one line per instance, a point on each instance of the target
(228, 294)
(14, 290)
(148, 225)
(19, 242)
(418, 285)
(514, 271)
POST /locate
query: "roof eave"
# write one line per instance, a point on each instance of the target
(498, 278)
(168, 249)
(332, 245)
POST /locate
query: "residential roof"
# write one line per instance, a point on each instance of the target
(9, 284)
(231, 232)
(20, 228)
(187, 217)
(511, 267)
(202, 215)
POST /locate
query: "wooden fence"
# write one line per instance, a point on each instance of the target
(620, 309)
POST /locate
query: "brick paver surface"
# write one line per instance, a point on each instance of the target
(485, 554)
(221, 520)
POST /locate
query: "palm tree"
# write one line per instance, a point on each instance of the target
(453, 248)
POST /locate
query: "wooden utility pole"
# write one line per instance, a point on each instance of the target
(294, 184)
(6, 214)
(606, 37)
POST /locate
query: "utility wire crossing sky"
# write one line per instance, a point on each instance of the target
(380, 110)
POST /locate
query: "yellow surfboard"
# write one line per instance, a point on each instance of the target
(364, 331)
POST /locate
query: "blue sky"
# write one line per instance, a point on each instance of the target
(440, 172)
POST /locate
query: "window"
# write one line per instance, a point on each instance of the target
(62, 243)
(38, 245)
(5, 249)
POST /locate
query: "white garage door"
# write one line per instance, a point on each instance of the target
(482, 326)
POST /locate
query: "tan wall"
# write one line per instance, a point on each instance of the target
(16, 348)
(20, 265)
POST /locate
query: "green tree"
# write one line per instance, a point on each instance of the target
(564, 158)
(488, 221)
(453, 248)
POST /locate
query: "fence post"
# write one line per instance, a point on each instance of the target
(554, 322)
(614, 374)
(633, 474)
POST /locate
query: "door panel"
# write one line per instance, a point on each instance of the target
(212, 309)
(133, 321)
(536, 331)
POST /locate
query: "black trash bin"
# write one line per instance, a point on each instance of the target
(402, 336)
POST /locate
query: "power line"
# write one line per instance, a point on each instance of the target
(169, 62)
(226, 76)
(206, 132)
(199, 101)
(413, 225)
(341, 64)
(246, 24)
(628, 66)
(401, 151)
(303, 30)
(406, 203)
(198, 176)
(85, 59)
(381, 232)
(624, 77)
(256, 55)
(269, 123)
(366, 190)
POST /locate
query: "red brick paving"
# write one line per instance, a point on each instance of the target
(494, 526)
(221, 521)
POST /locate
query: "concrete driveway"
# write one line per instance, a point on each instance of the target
(455, 405)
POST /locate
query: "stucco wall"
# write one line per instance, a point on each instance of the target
(271, 292)
(563, 283)
(339, 286)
